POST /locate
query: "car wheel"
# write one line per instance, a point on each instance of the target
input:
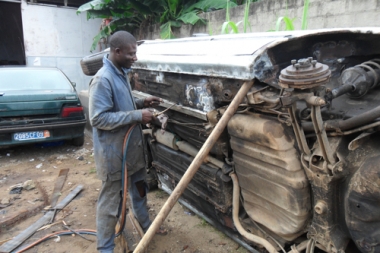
(92, 63)
(78, 141)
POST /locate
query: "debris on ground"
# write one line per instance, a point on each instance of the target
(29, 185)
(6, 201)
(16, 190)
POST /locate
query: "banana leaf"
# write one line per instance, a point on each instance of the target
(166, 29)
(206, 5)
(98, 14)
(93, 5)
(189, 18)
(174, 5)
(140, 7)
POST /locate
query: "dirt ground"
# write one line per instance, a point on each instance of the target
(42, 164)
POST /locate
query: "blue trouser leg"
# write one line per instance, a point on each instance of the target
(106, 215)
(108, 206)
(138, 202)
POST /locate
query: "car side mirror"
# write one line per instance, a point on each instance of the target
(74, 84)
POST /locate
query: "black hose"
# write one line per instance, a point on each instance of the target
(343, 125)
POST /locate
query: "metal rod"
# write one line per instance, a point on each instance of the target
(193, 168)
(75, 232)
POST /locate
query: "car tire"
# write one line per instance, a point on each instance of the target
(78, 141)
(92, 63)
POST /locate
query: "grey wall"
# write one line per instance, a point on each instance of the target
(58, 37)
(263, 16)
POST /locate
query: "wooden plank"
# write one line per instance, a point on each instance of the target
(19, 239)
(58, 186)
(120, 241)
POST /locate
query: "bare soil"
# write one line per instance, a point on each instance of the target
(42, 164)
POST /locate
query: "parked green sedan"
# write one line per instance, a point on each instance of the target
(39, 105)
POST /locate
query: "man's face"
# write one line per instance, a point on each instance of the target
(127, 55)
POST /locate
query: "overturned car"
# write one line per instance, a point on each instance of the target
(301, 150)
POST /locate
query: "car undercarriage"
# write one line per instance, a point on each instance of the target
(302, 149)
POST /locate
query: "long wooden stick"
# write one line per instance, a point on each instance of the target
(193, 168)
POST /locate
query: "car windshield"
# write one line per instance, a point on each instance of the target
(32, 79)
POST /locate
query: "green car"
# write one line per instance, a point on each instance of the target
(39, 105)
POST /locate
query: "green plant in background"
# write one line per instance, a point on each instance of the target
(139, 14)
(304, 15)
(185, 12)
(289, 23)
(126, 15)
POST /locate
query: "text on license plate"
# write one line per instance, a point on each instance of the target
(31, 135)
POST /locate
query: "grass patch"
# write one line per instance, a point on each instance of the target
(205, 225)
(92, 170)
(160, 194)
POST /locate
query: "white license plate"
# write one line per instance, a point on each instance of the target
(31, 135)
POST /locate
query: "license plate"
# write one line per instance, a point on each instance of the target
(31, 135)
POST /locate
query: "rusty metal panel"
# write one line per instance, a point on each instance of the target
(273, 184)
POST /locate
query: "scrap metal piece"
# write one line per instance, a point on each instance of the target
(358, 141)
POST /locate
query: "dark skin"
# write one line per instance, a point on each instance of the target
(124, 57)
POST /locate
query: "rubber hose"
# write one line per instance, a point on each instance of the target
(63, 232)
(124, 181)
(235, 216)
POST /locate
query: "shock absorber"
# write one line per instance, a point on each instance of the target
(358, 80)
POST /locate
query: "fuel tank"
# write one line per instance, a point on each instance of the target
(275, 190)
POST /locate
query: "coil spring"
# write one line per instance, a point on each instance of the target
(366, 66)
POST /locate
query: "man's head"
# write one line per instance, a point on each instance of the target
(123, 49)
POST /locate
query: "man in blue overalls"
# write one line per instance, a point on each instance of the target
(113, 110)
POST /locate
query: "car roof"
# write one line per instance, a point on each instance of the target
(2, 67)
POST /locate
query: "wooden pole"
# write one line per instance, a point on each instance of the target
(193, 168)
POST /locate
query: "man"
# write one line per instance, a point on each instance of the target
(113, 111)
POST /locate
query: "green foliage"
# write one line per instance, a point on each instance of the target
(137, 14)
(289, 26)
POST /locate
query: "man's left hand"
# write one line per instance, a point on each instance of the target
(152, 101)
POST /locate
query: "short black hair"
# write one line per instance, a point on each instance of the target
(121, 38)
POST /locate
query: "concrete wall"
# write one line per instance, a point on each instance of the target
(263, 16)
(58, 37)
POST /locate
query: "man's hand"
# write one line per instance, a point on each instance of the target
(152, 101)
(147, 116)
